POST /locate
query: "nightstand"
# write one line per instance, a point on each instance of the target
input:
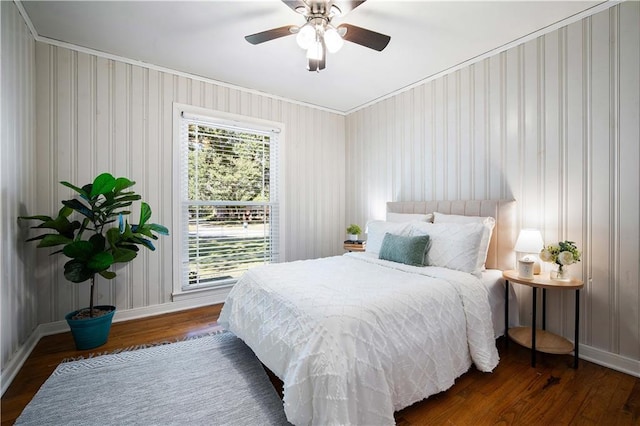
(355, 245)
(536, 339)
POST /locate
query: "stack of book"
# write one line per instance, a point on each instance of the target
(355, 245)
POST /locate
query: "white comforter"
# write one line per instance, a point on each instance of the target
(354, 338)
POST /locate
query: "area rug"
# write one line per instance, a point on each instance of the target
(213, 380)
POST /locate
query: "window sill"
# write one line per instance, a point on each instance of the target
(203, 294)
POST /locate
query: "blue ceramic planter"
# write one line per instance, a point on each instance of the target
(92, 332)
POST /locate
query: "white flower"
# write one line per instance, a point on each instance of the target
(546, 256)
(565, 258)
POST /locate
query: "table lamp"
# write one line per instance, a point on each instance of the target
(530, 243)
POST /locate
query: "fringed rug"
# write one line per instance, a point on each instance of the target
(212, 380)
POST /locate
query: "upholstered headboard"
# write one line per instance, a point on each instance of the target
(501, 254)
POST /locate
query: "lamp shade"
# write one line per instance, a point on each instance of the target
(529, 241)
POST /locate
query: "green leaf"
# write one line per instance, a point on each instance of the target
(108, 274)
(143, 241)
(76, 271)
(109, 198)
(60, 223)
(122, 183)
(98, 242)
(132, 247)
(50, 240)
(142, 230)
(113, 236)
(81, 250)
(123, 255)
(100, 261)
(145, 213)
(87, 191)
(127, 234)
(162, 230)
(47, 224)
(81, 191)
(102, 184)
(40, 218)
(128, 197)
(76, 205)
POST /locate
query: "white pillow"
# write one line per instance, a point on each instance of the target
(409, 217)
(487, 221)
(376, 230)
(452, 245)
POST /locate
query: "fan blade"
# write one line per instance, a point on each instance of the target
(347, 6)
(294, 4)
(364, 37)
(271, 34)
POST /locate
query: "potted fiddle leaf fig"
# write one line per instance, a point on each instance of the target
(91, 230)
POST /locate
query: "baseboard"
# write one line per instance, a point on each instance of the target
(18, 359)
(13, 366)
(610, 360)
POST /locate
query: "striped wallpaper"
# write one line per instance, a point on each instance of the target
(18, 304)
(553, 123)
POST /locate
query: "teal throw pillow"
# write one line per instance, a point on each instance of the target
(407, 250)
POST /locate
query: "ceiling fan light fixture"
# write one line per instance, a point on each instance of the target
(332, 39)
(315, 51)
(306, 36)
(318, 36)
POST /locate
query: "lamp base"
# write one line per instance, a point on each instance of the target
(536, 267)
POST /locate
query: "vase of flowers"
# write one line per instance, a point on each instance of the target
(563, 254)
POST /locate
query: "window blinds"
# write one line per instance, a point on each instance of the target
(229, 199)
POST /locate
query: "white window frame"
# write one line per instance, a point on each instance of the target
(218, 292)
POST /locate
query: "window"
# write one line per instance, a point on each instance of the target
(229, 199)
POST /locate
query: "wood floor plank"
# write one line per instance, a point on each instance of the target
(513, 394)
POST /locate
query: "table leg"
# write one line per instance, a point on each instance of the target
(506, 314)
(533, 330)
(576, 342)
(544, 308)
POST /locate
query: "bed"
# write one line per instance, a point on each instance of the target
(355, 338)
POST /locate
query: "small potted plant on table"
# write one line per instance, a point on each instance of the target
(100, 238)
(353, 231)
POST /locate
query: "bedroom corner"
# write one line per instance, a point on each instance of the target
(551, 122)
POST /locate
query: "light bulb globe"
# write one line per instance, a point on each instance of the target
(315, 51)
(332, 40)
(306, 36)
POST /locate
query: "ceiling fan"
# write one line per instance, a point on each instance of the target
(318, 34)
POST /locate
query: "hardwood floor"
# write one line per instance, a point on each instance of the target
(514, 394)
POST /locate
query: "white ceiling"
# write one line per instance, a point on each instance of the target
(206, 38)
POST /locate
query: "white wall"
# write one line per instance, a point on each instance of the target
(96, 114)
(17, 179)
(553, 123)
